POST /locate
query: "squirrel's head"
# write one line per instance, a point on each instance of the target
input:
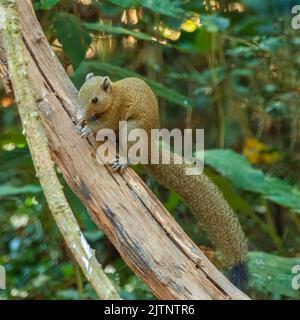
(94, 97)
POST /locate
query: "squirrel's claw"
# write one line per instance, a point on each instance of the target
(117, 165)
(78, 128)
(83, 131)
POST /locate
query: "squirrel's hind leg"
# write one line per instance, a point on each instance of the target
(118, 165)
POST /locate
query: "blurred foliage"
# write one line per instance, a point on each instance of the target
(278, 268)
(226, 162)
(230, 67)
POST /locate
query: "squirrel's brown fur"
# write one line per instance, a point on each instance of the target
(131, 99)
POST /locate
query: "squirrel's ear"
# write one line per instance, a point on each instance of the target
(89, 76)
(106, 85)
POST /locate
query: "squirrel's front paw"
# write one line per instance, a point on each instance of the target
(85, 131)
(78, 128)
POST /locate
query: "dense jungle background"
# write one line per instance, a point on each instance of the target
(230, 67)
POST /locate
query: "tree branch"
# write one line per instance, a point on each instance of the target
(145, 234)
(44, 166)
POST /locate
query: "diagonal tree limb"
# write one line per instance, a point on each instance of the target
(145, 234)
(38, 145)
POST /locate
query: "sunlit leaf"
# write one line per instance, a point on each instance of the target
(189, 25)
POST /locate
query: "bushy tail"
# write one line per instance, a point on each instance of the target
(209, 207)
(238, 275)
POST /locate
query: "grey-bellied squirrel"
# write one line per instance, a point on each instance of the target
(101, 104)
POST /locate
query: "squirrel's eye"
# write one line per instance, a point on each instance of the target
(94, 100)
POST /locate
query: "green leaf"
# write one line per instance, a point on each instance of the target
(272, 274)
(117, 30)
(68, 294)
(214, 23)
(45, 4)
(172, 201)
(12, 135)
(67, 269)
(9, 190)
(108, 9)
(93, 235)
(119, 73)
(126, 3)
(203, 41)
(73, 37)
(238, 170)
(165, 7)
(271, 44)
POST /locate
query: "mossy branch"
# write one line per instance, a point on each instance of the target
(38, 145)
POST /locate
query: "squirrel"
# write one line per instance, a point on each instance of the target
(101, 104)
